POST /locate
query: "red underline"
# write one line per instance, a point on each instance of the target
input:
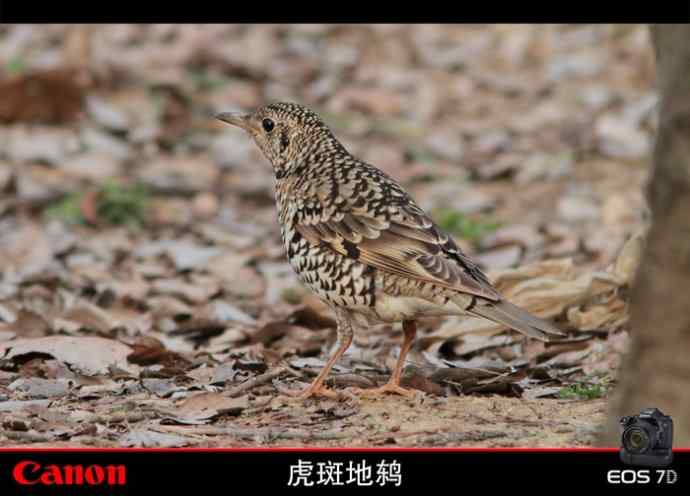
(316, 450)
(302, 449)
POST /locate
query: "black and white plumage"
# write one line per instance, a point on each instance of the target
(361, 243)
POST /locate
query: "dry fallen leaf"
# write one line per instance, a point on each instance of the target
(35, 387)
(145, 438)
(204, 407)
(148, 351)
(52, 96)
(89, 355)
(27, 324)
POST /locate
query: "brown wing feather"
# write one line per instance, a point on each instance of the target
(359, 212)
(409, 246)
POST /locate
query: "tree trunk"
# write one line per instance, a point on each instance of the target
(656, 370)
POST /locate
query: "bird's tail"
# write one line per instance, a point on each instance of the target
(518, 319)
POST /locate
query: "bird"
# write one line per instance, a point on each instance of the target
(361, 243)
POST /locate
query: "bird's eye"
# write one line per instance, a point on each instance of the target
(267, 125)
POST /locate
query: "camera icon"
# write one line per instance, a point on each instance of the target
(647, 438)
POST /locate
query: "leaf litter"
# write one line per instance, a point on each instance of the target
(145, 299)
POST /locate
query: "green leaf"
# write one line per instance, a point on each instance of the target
(117, 204)
(461, 225)
(582, 391)
(16, 65)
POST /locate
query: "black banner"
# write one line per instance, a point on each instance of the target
(211, 11)
(130, 471)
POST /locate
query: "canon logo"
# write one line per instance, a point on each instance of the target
(29, 473)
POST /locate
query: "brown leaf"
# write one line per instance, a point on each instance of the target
(52, 96)
(89, 316)
(417, 380)
(30, 251)
(28, 324)
(191, 292)
(204, 407)
(377, 101)
(308, 317)
(149, 351)
(88, 206)
(271, 332)
(199, 330)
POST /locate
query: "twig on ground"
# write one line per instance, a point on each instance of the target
(256, 381)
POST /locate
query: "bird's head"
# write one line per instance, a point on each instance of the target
(286, 133)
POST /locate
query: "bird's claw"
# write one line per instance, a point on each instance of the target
(309, 392)
(386, 388)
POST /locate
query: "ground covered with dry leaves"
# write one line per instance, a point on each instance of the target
(145, 299)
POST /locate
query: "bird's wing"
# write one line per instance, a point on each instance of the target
(380, 225)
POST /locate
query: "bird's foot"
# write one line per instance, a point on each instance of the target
(309, 392)
(389, 387)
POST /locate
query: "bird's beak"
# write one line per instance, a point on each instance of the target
(236, 119)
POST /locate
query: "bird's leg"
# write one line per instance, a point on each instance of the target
(393, 385)
(317, 388)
